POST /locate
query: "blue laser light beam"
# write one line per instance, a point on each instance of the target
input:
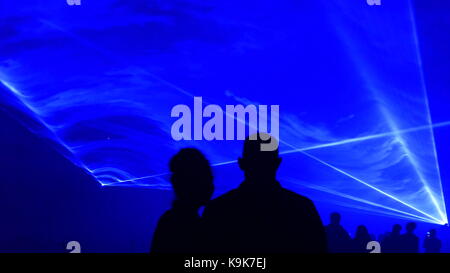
(369, 75)
(370, 137)
(375, 188)
(350, 197)
(427, 103)
(411, 158)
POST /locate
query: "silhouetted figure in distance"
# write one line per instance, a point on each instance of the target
(409, 241)
(337, 237)
(362, 238)
(432, 244)
(392, 242)
(179, 229)
(260, 216)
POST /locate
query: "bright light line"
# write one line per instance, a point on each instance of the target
(323, 189)
(140, 178)
(364, 138)
(372, 187)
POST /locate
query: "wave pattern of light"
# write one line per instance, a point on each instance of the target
(107, 103)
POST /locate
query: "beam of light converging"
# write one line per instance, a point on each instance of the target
(181, 90)
(412, 159)
(374, 188)
(427, 105)
(357, 199)
(389, 93)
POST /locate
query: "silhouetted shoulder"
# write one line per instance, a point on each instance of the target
(295, 197)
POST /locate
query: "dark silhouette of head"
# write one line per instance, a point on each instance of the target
(258, 165)
(192, 178)
(396, 229)
(433, 233)
(335, 218)
(362, 232)
(410, 227)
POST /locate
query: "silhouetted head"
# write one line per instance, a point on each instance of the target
(432, 233)
(410, 227)
(335, 218)
(396, 229)
(258, 165)
(192, 178)
(362, 232)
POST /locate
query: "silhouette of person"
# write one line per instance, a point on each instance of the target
(432, 244)
(362, 238)
(409, 241)
(179, 229)
(337, 237)
(260, 216)
(392, 242)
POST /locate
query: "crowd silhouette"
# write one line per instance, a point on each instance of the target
(259, 216)
(339, 240)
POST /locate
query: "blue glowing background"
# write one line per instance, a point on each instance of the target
(362, 90)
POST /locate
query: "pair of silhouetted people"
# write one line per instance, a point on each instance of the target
(408, 242)
(395, 242)
(260, 216)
